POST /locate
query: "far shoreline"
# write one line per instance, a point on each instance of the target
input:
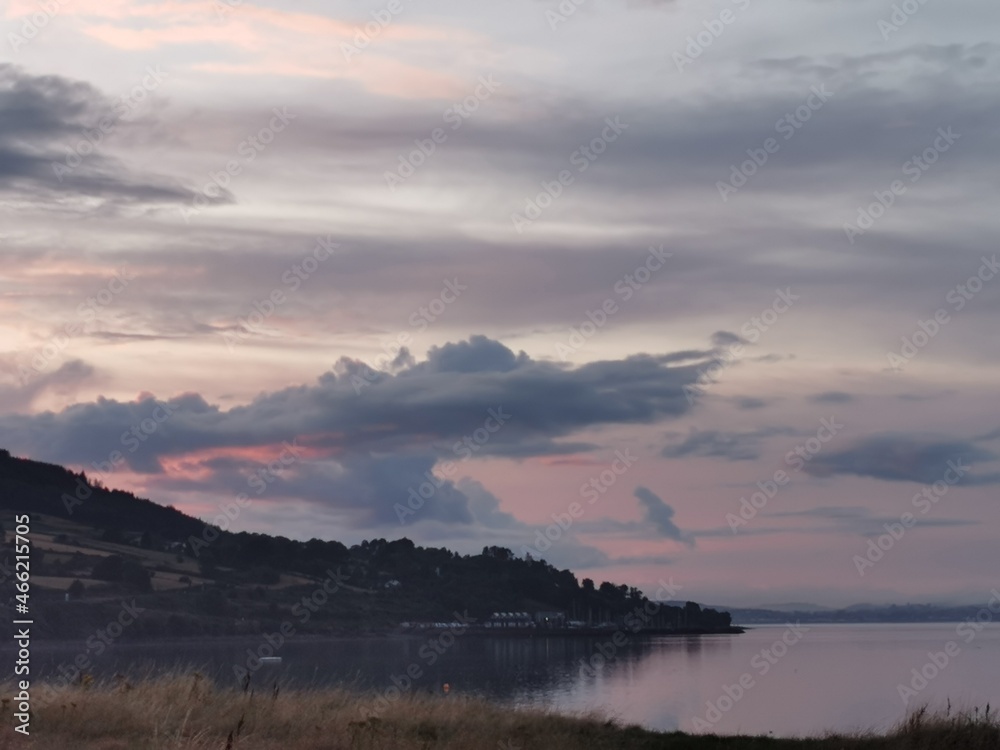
(395, 634)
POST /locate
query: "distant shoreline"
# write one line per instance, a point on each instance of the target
(574, 632)
(391, 634)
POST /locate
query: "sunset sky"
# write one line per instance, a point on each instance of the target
(614, 263)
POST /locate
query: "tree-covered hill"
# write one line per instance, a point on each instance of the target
(95, 543)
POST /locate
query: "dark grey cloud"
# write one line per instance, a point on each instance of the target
(735, 446)
(485, 506)
(661, 515)
(369, 491)
(849, 519)
(856, 519)
(832, 397)
(989, 436)
(400, 493)
(748, 403)
(727, 338)
(44, 118)
(478, 354)
(642, 560)
(931, 396)
(473, 398)
(25, 384)
(905, 458)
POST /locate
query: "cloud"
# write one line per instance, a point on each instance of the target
(904, 458)
(485, 506)
(990, 436)
(41, 119)
(261, 41)
(748, 403)
(735, 446)
(478, 354)
(831, 397)
(370, 441)
(863, 521)
(661, 516)
(17, 393)
(727, 338)
(925, 396)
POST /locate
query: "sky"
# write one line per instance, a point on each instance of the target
(654, 290)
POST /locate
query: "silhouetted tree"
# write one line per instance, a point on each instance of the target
(108, 568)
(135, 576)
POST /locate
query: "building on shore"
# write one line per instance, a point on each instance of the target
(506, 620)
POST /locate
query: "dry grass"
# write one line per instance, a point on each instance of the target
(187, 712)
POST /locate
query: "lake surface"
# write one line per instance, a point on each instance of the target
(771, 679)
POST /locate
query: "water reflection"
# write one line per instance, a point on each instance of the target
(838, 677)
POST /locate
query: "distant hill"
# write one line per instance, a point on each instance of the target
(94, 545)
(857, 613)
(797, 607)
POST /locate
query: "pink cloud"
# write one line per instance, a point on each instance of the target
(122, 37)
(284, 43)
(378, 75)
(117, 9)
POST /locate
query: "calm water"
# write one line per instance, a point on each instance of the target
(840, 677)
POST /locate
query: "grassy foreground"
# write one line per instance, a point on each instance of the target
(186, 712)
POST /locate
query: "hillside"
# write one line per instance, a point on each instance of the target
(93, 546)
